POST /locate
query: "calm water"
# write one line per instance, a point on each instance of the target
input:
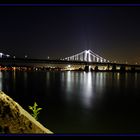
(79, 102)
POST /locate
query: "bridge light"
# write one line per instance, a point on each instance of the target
(69, 66)
(1, 55)
(14, 68)
(87, 51)
(8, 55)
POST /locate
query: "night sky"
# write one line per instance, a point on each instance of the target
(61, 31)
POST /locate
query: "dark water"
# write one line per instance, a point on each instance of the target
(79, 102)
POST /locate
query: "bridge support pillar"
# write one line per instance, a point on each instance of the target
(113, 67)
(86, 68)
(122, 68)
(133, 69)
(108, 66)
(96, 68)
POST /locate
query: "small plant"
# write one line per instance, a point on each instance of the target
(35, 110)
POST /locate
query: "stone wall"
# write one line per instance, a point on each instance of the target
(14, 119)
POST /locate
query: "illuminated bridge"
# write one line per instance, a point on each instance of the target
(88, 56)
(86, 60)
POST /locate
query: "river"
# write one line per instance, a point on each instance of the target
(78, 102)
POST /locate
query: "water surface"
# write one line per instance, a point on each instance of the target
(78, 102)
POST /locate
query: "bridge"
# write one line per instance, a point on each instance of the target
(88, 56)
(86, 60)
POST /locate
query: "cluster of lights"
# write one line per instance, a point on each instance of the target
(2, 55)
(5, 55)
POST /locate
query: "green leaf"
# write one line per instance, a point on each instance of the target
(30, 107)
(39, 109)
(35, 104)
(35, 110)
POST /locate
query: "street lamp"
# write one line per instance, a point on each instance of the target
(1, 55)
(7, 55)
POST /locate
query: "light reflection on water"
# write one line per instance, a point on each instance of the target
(135, 81)
(25, 80)
(87, 89)
(89, 84)
(99, 82)
(47, 78)
(126, 80)
(14, 80)
(1, 78)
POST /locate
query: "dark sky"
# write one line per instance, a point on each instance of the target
(111, 32)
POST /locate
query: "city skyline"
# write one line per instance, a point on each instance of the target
(61, 31)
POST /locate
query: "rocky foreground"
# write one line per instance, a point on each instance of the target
(14, 119)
